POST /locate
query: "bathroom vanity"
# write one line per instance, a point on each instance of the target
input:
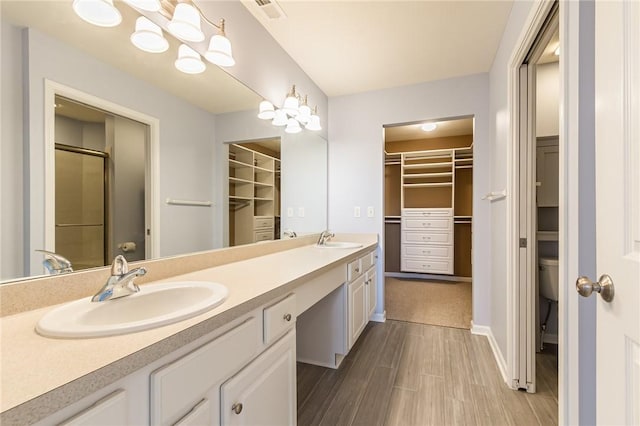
(229, 365)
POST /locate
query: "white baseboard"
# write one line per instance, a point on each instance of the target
(484, 330)
(379, 317)
(417, 276)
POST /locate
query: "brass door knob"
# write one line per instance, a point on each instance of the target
(604, 286)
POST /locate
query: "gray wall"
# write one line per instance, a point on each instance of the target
(356, 162)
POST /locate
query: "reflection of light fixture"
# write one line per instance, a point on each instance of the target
(292, 114)
(148, 36)
(267, 111)
(184, 21)
(149, 5)
(97, 12)
(293, 126)
(557, 51)
(189, 60)
(429, 127)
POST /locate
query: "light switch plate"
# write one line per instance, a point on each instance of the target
(300, 211)
(370, 211)
(356, 211)
(289, 211)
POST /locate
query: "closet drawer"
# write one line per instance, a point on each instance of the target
(428, 265)
(264, 235)
(427, 212)
(445, 224)
(443, 252)
(279, 318)
(262, 222)
(354, 270)
(427, 237)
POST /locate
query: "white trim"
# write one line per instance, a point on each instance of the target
(152, 169)
(379, 317)
(532, 26)
(417, 276)
(483, 330)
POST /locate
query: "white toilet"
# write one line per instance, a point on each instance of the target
(549, 278)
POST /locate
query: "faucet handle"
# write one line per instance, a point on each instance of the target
(119, 266)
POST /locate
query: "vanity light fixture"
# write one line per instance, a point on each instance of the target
(429, 127)
(294, 112)
(184, 22)
(148, 36)
(189, 60)
(97, 12)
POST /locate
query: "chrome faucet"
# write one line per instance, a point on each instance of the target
(289, 233)
(120, 283)
(55, 263)
(325, 236)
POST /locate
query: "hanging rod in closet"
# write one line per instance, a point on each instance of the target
(173, 202)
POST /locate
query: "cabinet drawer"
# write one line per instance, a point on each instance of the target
(367, 261)
(445, 252)
(262, 222)
(263, 236)
(199, 415)
(427, 212)
(176, 387)
(444, 224)
(427, 237)
(279, 318)
(428, 265)
(354, 270)
(110, 410)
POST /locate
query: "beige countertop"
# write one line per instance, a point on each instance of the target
(42, 375)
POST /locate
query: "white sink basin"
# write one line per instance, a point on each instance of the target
(340, 245)
(154, 306)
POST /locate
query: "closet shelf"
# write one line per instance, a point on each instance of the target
(239, 181)
(427, 185)
(427, 165)
(239, 198)
(262, 170)
(464, 167)
(547, 235)
(427, 175)
(237, 164)
(263, 184)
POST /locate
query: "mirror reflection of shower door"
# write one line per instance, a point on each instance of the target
(81, 232)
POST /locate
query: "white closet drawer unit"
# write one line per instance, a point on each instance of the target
(427, 237)
(444, 224)
(434, 266)
(265, 235)
(278, 318)
(443, 252)
(427, 212)
(354, 270)
(262, 222)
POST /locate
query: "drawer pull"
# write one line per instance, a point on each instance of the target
(357, 270)
(237, 408)
(287, 317)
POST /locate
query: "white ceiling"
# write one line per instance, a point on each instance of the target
(356, 46)
(446, 128)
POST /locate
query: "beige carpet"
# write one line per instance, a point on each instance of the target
(429, 302)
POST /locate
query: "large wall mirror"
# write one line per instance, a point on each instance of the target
(51, 57)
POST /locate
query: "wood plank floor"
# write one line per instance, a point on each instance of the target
(408, 374)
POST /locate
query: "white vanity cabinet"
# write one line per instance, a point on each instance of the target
(361, 295)
(264, 392)
(111, 410)
(371, 284)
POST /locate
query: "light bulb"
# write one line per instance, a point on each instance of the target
(148, 36)
(97, 12)
(189, 60)
(185, 23)
(219, 51)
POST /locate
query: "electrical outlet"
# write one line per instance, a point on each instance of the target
(356, 211)
(370, 211)
(300, 211)
(289, 211)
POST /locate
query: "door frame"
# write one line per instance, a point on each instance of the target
(152, 166)
(576, 334)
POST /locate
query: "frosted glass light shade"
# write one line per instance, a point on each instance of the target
(314, 123)
(267, 111)
(148, 36)
(189, 61)
(97, 12)
(304, 114)
(219, 51)
(280, 118)
(293, 126)
(185, 23)
(291, 105)
(150, 5)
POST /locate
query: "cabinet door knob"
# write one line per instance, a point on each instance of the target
(287, 317)
(237, 407)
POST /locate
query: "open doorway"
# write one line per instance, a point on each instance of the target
(428, 221)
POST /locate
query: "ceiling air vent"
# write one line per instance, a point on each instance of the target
(271, 9)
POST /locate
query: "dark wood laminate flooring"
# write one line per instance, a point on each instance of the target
(406, 374)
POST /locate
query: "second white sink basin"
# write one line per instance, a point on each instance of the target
(339, 244)
(154, 306)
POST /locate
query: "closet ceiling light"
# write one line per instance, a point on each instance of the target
(189, 61)
(429, 127)
(148, 5)
(97, 12)
(148, 36)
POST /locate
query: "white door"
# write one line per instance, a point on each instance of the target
(618, 210)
